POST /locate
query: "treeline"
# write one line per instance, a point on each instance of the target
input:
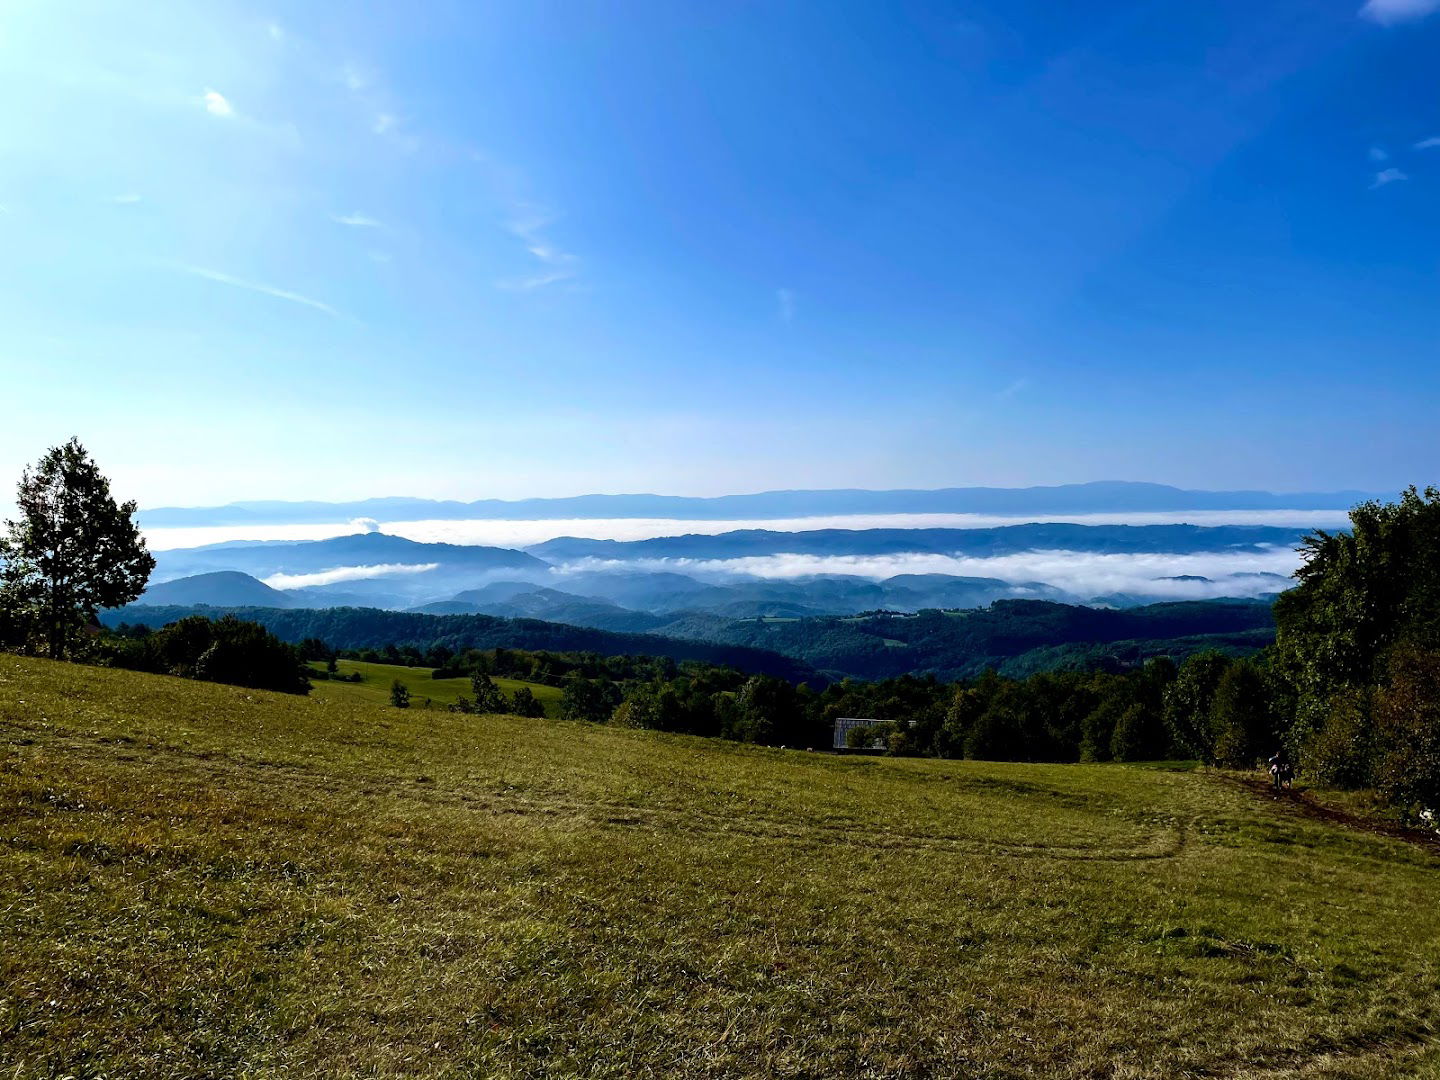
(1014, 637)
(225, 650)
(371, 628)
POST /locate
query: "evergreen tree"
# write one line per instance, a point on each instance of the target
(72, 551)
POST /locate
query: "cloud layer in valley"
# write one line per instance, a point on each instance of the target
(1080, 573)
(347, 573)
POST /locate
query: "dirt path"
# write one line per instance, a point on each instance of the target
(1295, 802)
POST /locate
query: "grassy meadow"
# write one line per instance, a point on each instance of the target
(205, 881)
(374, 689)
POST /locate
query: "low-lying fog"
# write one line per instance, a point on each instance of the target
(1081, 573)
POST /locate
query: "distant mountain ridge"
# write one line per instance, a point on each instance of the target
(1106, 496)
(1000, 540)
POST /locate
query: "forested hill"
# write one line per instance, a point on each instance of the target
(1012, 636)
(360, 628)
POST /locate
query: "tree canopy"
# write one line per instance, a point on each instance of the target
(71, 552)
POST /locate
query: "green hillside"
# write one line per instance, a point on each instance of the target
(374, 687)
(205, 881)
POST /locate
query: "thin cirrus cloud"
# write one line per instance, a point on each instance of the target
(555, 265)
(261, 288)
(128, 198)
(1428, 144)
(1390, 12)
(357, 220)
(1388, 176)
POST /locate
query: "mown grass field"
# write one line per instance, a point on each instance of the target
(375, 687)
(203, 881)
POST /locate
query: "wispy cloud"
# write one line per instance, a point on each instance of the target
(1428, 144)
(276, 31)
(1390, 12)
(384, 123)
(216, 105)
(358, 220)
(1378, 154)
(1016, 387)
(258, 287)
(1388, 176)
(557, 265)
(347, 573)
(785, 298)
(126, 199)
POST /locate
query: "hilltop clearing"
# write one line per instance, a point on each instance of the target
(207, 881)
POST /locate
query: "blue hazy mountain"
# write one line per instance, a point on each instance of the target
(356, 549)
(1002, 540)
(222, 588)
(1109, 496)
(625, 586)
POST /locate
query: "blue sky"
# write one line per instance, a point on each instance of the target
(333, 250)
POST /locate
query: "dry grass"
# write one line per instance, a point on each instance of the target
(197, 880)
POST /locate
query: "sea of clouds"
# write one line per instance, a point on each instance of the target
(1081, 573)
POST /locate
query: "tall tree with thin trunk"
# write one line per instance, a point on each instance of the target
(72, 551)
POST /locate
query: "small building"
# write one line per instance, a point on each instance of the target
(846, 724)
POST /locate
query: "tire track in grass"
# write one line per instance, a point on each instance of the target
(1168, 841)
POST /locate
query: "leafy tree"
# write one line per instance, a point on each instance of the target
(72, 551)
(489, 698)
(768, 710)
(1188, 703)
(227, 650)
(1360, 595)
(1342, 751)
(1240, 725)
(589, 699)
(399, 694)
(524, 703)
(1407, 731)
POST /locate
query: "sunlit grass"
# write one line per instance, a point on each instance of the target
(374, 689)
(199, 880)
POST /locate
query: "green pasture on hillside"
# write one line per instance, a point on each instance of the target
(374, 689)
(205, 881)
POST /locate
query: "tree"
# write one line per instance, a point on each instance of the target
(399, 694)
(1240, 723)
(1361, 594)
(525, 703)
(227, 650)
(1188, 703)
(589, 699)
(1407, 731)
(489, 698)
(72, 551)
